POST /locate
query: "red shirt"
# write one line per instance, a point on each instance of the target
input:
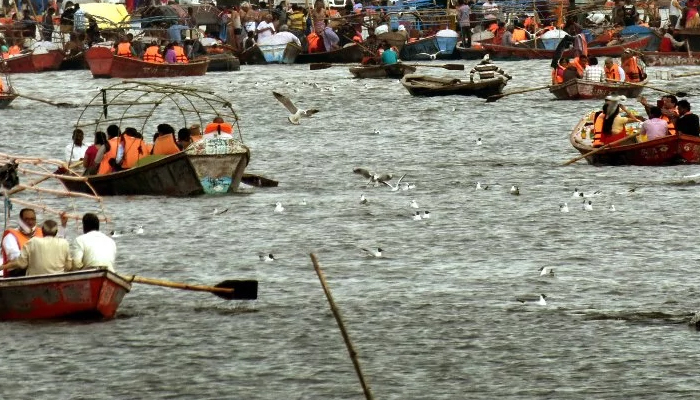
(89, 157)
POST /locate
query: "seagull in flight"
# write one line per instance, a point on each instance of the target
(373, 177)
(396, 187)
(374, 253)
(296, 113)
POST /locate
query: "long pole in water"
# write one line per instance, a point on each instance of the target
(336, 313)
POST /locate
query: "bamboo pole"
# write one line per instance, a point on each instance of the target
(50, 175)
(58, 192)
(48, 209)
(339, 319)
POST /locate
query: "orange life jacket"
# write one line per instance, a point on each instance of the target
(165, 145)
(105, 168)
(180, 55)
(214, 127)
(152, 54)
(579, 67)
(493, 28)
(632, 71)
(134, 149)
(315, 43)
(519, 35)
(598, 130)
(124, 49)
(14, 50)
(22, 239)
(613, 73)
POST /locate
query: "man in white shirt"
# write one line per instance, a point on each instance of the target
(265, 28)
(93, 249)
(593, 71)
(13, 240)
(76, 150)
(281, 37)
(43, 255)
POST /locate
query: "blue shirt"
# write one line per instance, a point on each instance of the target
(389, 57)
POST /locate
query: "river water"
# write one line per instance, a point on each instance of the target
(437, 317)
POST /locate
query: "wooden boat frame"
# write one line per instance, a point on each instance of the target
(422, 85)
(584, 89)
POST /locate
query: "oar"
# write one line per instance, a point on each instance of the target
(57, 104)
(258, 180)
(451, 67)
(686, 75)
(495, 97)
(607, 146)
(229, 290)
(677, 94)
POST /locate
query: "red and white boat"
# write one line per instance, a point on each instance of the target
(35, 61)
(498, 51)
(104, 64)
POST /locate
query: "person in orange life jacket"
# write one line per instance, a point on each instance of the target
(124, 48)
(218, 128)
(184, 138)
(13, 240)
(134, 147)
(633, 73)
(669, 109)
(180, 56)
(609, 125)
(164, 142)
(152, 53)
(110, 154)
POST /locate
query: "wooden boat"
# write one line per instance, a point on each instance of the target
(221, 62)
(421, 85)
(104, 64)
(584, 89)
(6, 98)
(670, 59)
(93, 294)
(426, 49)
(501, 52)
(395, 39)
(280, 53)
(252, 56)
(351, 53)
(396, 71)
(471, 53)
(668, 150)
(219, 163)
(35, 62)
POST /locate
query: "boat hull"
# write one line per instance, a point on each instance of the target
(280, 54)
(427, 49)
(35, 62)
(470, 53)
(223, 62)
(395, 71)
(580, 89)
(525, 53)
(419, 85)
(668, 150)
(662, 59)
(349, 54)
(74, 62)
(219, 164)
(104, 64)
(85, 294)
(6, 99)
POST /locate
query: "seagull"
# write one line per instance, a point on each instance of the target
(375, 254)
(394, 187)
(416, 216)
(279, 208)
(514, 190)
(587, 206)
(303, 202)
(541, 301)
(377, 132)
(612, 207)
(426, 214)
(407, 186)
(413, 204)
(373, 177)
(577, 193)
(115, 234)
(546, 271)
(217, 211)
(297, 113)
(267, 258)
(478, 142)
(138, 230)
(594, 194)
(363, 199)
(564, 208)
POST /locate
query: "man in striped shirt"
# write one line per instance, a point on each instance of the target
(593, 71)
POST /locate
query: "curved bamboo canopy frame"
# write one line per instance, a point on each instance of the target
(134, 103)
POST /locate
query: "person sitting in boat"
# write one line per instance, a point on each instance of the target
(218, 128)
(633, 72)
(43, 255)
(687, 122)
(93, 249)
(281, 37)
(14, 50)
(180, 56)
(152, 53)
(106, 164)
(3, 48)
(196, 133)
(95, 153)
(74, 45)
(124, 48)
(580, 63)
(372, 46)
(389, 55)
(250, 41)
(507, 38)
(609, 125)
(184, 138)
(670, 44)
(558, 74)
(593, 71)
(571, 71)
(654, 127)
(164, 142)
(520, 34)
(488, 70)
(265, 28)
(14, 240)
(76, 150)
(169, 54)
(613, 72)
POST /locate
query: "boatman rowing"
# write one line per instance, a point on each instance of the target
(488, 70)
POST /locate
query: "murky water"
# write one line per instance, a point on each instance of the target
(437, 317)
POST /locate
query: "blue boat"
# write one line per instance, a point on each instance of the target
(219, 163)
(280, 53)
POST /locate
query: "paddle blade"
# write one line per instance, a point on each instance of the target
(242, 289)
(454, 67)
(493, 98)
(315, 66)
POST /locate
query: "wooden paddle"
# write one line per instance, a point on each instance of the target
(677, 94)
(607, 146)
(228, 290)
(496, 97)
(258, 180)
(57, 104)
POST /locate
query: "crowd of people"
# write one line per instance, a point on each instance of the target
(116, 150)
(583, 67)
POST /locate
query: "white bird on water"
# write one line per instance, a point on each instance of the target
(541, 301)
(303, 202)
(426, 214)
(416, 216)
(363, 199)
(544, 271)
(115, 234)
(514, 190)
(374, 253)
(266, 258)
(217, 211)
(296, 113)
(478, 142)
(413, 204)
(612, 207)
(279, 208)
(138, 230)
(564, 207)
(377, 132)
(577, 193)
(587, 205)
